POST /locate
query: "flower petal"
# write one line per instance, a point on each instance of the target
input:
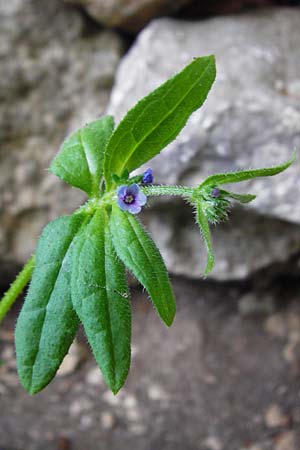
(122, 190)
(122, 205)
(141, 199)
(134, 209)
(133, 189)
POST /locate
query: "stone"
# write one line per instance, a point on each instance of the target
(55, 76)
(274, 417)
(94, 377)
(80, 406)
(129, 15)
(276, 326)
(291, 351)
(107, 420)
(213, 443)
(77, 353)
(286, 441)
(251, 119)
(157, 393)
(112, 399)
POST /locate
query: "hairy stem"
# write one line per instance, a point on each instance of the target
(16, 288)
(168, 190)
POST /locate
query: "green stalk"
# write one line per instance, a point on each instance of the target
(16, 288)
(168, 190)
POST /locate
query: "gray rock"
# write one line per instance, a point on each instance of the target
(54, 78)
(251, 119)
(129, 15)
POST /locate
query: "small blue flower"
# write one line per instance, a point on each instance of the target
(147, 177)
(131, 199)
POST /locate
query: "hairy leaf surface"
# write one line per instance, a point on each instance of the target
(80, 159)
(47, 323)
(205, 231)
(243, 175)
(100, 298)
(139, 253)
(242, 198)
(157, 119)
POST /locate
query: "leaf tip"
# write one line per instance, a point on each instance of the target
(170, 320)
(209, 265)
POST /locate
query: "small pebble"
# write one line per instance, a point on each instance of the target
(213, 443)
(94, 377)
(286, 441)
(107, 420)
(275, 326)
(274, 417)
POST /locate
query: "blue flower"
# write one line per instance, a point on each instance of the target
(215, 192)
(147, 177)
(131, 199)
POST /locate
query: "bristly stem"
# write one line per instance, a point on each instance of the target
(16, 288)
(168, 190)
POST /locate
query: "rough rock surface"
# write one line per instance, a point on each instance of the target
(133, 15)
(55, 76)
(210, 382)
(130, 15)
(251, 119)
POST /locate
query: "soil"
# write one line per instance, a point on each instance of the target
(225, 376)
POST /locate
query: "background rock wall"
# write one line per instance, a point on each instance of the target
(226, 375)
(56, 74)
(251, 119)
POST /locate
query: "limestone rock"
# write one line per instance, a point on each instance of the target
(251, 119)
(130, 15)
(55, 76)
(76, 354)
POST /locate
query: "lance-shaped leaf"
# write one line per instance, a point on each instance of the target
(158, 118)
(139, 253)
(80, 159)
(243, 175)
(242, 198)
(100, 298)
(205, 231)
(47, 323)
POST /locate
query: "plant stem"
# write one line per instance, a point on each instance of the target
(168, 190)
(16, 288)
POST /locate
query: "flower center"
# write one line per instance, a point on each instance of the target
(128, 199)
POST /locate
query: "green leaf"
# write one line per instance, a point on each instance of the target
(242, 198)
(157, 119)
(205, 231)
(243, 175)
(80, 159)
(47, 323)
(139, 253)
(100, 298)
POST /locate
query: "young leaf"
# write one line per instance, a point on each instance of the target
(80, 159)
(139, 253)
(205, 231)
(243, 175)
(47, 323)
(157, 119)
(242, 198)
(100, 298)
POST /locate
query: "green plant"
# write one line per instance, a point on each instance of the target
(79, 264)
